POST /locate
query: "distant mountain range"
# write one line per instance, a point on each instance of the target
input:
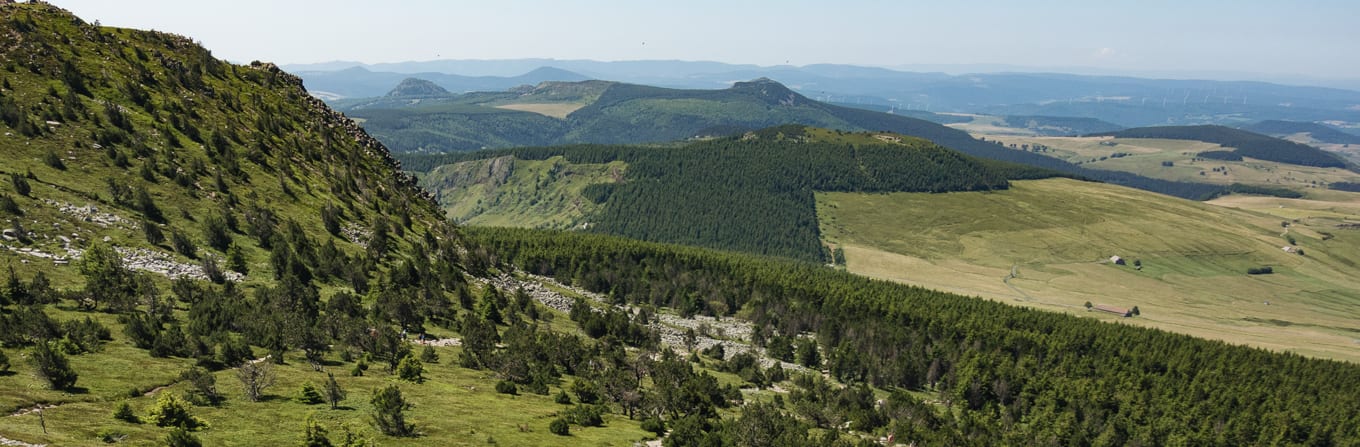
(358, 82)
(1125, 101)
(597, 112)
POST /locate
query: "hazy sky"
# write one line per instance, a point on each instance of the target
(1317, 38)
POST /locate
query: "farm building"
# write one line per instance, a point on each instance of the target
(1114, 310)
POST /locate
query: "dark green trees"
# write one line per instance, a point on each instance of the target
(389, 412)
(52, 366)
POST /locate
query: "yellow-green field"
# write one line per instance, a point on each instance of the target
(1146, 155)
(1058, 236)
(554, 109)
(989, 125)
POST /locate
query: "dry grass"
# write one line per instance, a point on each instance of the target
(554, 109)
(1148, 154)
(1059, 234)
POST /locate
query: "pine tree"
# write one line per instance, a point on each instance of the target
(53, 367)
(309, 395)
(20, 184)
(169, 411)
(389, 412)
(334, 394)
(410, 369)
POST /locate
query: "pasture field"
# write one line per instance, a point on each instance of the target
(1057, 237)
(554, 109)
(989, 125)
(1146, 157)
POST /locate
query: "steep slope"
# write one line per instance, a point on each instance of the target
(198, 252)
(178, 228)
(343, 260)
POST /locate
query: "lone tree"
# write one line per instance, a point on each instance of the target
(1088, 305)
(334, 394)
(255, 377)
(204, 386)
(53, 367)
(388, 408)
(169, 411)
(410, 369)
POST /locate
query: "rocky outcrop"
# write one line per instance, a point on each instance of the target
(734, 335)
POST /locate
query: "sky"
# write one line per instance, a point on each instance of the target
(1305, 38)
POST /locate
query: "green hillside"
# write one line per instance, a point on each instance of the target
(1008, 375)
(198, 253)
(597, 112)
(508, 191)
(176, 225)
(751, 193)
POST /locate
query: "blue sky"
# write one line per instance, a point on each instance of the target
(1309, 38)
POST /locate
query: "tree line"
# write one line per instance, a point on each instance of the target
(1002, 374)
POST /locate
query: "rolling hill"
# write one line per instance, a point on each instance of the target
(1126, 101)
(1186, 261)
(1316, 132)
(750, 193)
(199, 253)
(417, 87)
(1243, 143)
(615, 113)
(357, 82)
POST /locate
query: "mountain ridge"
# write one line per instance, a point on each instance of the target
(1122, 100)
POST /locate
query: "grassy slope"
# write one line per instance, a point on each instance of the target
(522, 193)
(455, 407)
(1060, 233)
(1147, 154)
